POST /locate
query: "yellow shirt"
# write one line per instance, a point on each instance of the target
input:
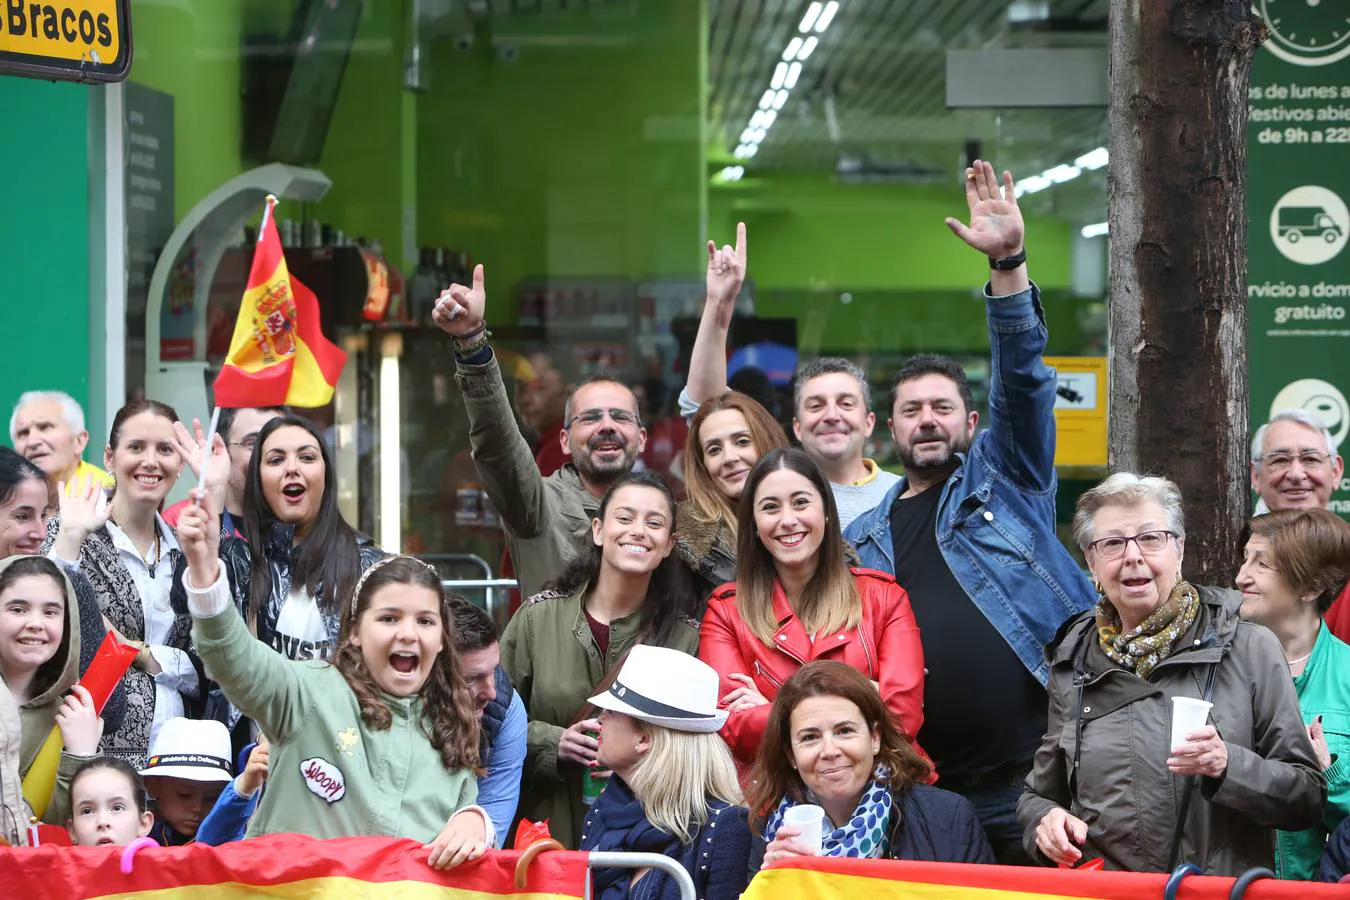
(89, 470)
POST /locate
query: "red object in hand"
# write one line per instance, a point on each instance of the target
(529, 833)
(106, 669)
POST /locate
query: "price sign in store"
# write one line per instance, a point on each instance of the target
(1298, 223)
(66, 40)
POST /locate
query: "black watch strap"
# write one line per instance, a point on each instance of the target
(1005, 263)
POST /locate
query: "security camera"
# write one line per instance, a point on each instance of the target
(464, 42)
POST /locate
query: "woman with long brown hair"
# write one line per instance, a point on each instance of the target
(829, 741)
(796, 599)
(624, 588)
(727, 436)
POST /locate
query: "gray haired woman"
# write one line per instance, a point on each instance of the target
(1108, 781)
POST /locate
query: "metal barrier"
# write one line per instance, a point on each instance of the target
(493, 588)
(599, 860)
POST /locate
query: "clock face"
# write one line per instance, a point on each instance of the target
(1308, 32)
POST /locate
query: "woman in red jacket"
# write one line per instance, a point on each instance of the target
(795, 600)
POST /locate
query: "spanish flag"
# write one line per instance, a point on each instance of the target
(285, 867)
(828, 878)
(278, 355)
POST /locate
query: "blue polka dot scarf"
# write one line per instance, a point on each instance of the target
(866, 835)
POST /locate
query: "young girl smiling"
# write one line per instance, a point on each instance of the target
(382, 740)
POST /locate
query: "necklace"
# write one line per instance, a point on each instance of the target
(1303, 658)
(150, 564)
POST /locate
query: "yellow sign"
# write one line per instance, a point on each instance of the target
(1080, 410)
(69, 40)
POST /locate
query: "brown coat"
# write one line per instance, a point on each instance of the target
(1121, 725)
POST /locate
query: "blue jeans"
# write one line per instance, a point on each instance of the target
(995, 803)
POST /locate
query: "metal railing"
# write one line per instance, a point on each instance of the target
(493, 589)
(600, 860)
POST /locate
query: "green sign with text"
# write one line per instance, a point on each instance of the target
(1298, 225)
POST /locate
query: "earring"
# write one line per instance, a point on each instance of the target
(1097, 586)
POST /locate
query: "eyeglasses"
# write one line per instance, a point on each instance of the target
(1308, 459)
(594, 416)
(1149, 542)
(247, 444)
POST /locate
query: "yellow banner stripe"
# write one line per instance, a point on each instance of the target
(804, 884)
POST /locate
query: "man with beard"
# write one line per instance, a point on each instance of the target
(969, 532)
(546, 520)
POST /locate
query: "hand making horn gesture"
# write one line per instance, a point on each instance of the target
(726, 274)
(996, 228)
(459, 309)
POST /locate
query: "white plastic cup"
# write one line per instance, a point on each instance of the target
(1188, 714)
(810, 820)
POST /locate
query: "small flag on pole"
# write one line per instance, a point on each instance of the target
(278, 354)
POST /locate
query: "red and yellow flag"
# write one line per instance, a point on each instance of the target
(822, 878)
(284, 866)
(278, 354)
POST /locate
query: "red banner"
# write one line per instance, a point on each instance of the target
(282, 866)
(873, 879)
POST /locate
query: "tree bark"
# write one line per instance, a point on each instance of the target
(1180, 70)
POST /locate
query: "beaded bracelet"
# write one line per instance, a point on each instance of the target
(480, 340)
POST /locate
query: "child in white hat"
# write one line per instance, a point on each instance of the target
(189, 766)
(673, 787)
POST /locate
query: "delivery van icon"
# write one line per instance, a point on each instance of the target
(1308, 225)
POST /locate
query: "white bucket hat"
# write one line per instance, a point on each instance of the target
(667, 688)
(193, 749)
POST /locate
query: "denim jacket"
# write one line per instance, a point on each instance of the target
(996, 519)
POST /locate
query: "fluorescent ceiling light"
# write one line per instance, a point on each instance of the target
(770, 116)
(757, 120)
(808, 46)
(767, 100)
(733, 173)
(757, 135)
(748, 136)
(1092, 231)
(1032, 184)
(793, 46)
(1093, 159)
(779, 73)
(750, 151)
(794, 72)
(1062, 173)
(827, 16)
(809, 20)
(779, 99)
(741, 151)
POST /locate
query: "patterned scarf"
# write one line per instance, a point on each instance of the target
(866, 835)
(1152, 640)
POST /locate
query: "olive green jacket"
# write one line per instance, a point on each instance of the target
(555, 664)
(546, 520)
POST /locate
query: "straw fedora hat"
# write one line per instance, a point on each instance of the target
(667, 688)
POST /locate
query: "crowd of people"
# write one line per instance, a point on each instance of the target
(805, 655)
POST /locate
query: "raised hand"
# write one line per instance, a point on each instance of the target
(996, 227)
(193, 448)
(83, 507)
(199, 536)
(459, 310)
(726, 274)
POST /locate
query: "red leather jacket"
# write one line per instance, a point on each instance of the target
(885, 647)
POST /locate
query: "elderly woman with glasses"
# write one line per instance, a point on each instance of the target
(1110, 779)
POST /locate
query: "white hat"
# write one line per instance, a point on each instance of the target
(194, 749)
(667, 688)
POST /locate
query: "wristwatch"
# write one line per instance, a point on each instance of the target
(1007, 263)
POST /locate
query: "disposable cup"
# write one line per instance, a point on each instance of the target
(811, 820)
(1188, 714)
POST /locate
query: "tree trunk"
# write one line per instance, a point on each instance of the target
(1178, 230)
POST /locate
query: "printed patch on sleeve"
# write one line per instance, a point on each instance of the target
(324, 779)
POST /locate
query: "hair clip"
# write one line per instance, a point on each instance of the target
(360, 582)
